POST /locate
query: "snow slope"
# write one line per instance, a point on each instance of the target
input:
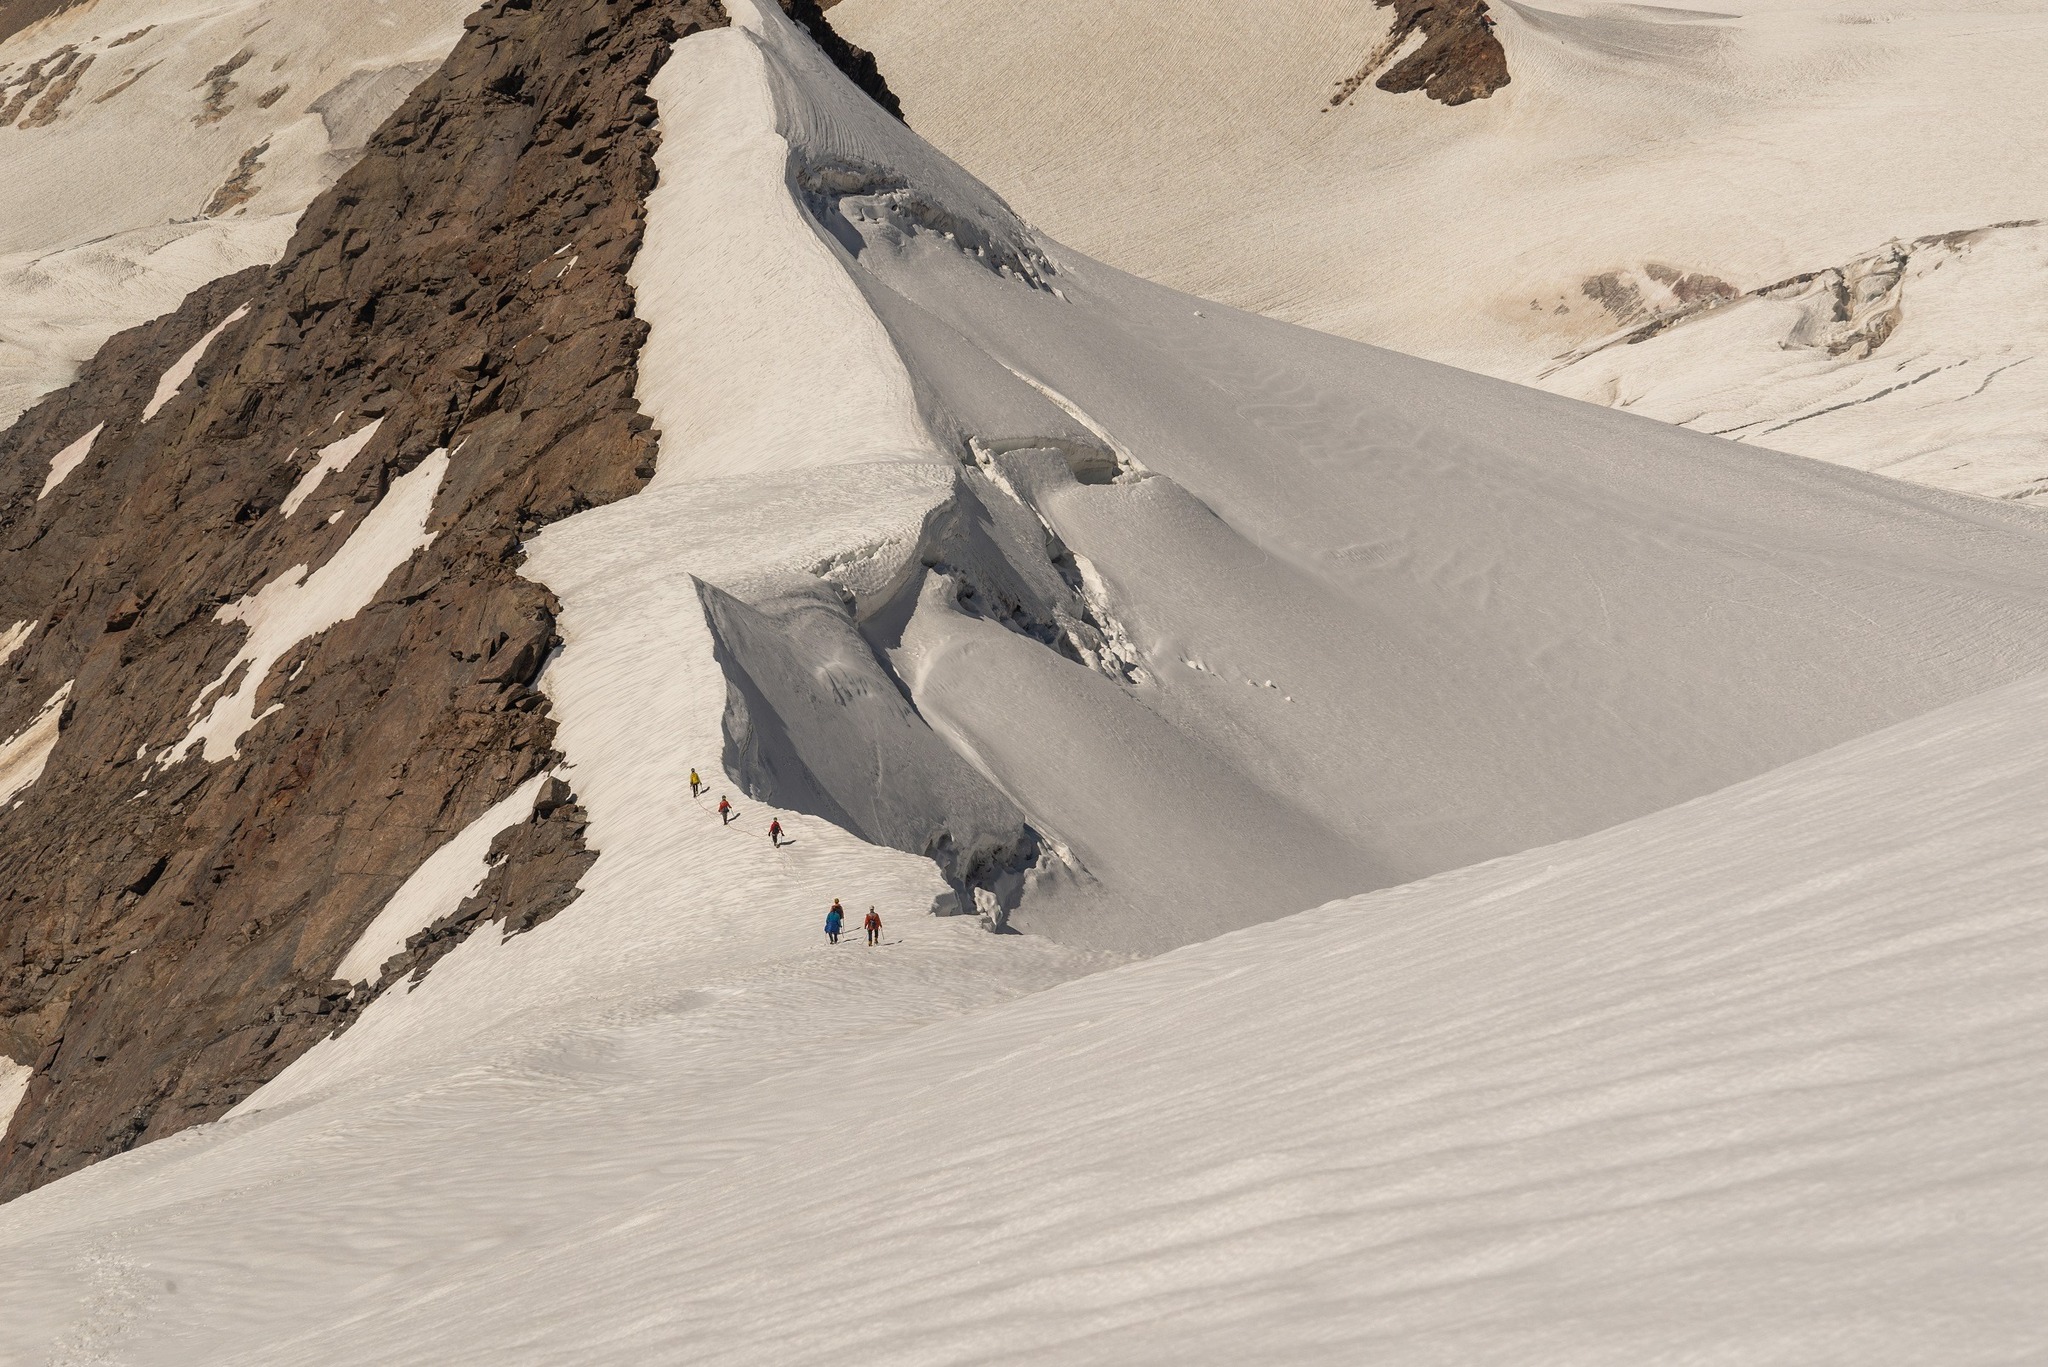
(192, 135)
(1925, 360)
(1759, 1078)
(1189, 141)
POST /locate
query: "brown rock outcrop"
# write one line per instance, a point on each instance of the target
(1459, 59)
(168, 934)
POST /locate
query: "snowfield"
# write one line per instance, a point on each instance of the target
(1706, 1021)
(161, 144)
(1756, 1079)
(1637, 148)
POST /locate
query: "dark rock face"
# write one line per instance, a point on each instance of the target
(857, 62)
(167, 934)
(1459, 59)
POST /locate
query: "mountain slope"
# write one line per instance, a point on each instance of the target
(1126, 619)
(152, 146)
(1644, 157)
(1237, 616)
(1757, 1078)
(970, 561)
(279, 590)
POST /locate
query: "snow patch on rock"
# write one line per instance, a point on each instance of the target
(23, 756)
(13, 1087)
(181, 370)
(67, 460)
(13, 639)
(332, 459)
(294, 606)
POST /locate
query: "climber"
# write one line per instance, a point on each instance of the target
(833, 920)
(696, 784)
(724, 811)
(874, 924)
(775, 833)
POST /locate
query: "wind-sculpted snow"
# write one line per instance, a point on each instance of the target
(1224, 618)
(1170, 619)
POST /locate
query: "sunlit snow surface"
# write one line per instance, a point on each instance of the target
(1191, 141)
(1350, 618)
(1757, 1077)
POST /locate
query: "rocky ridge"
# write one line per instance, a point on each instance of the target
(171, 927)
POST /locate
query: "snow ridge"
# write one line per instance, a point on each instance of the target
(1742, 1077)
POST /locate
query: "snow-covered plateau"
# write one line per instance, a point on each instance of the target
(1430, 871)
(1644, 166)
